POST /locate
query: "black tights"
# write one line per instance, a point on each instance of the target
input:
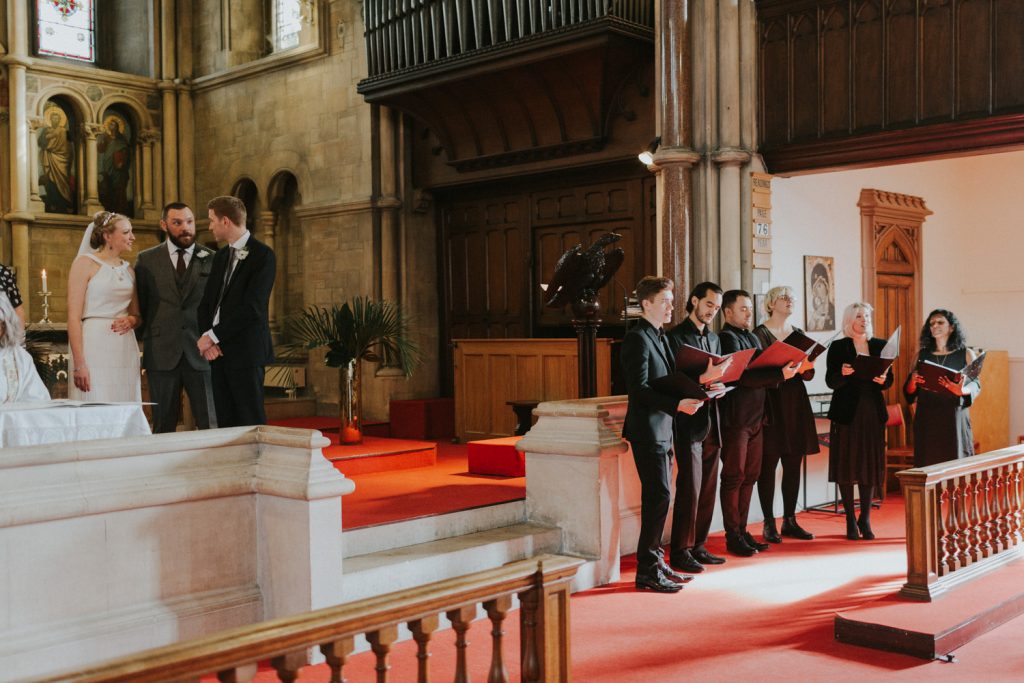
(790, 484)
(866, 496)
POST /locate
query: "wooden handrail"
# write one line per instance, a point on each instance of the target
(964, 517)
(542, 584)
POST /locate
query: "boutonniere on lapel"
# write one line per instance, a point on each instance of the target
(242, 254)
(202, 253)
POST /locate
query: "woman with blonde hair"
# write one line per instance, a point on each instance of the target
(19, 381)
(857, 438)
(789, 431)
(103, 311)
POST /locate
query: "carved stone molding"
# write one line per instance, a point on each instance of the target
(149, 136)
(92, 130)
(730, 156)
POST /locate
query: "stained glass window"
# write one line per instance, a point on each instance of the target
(288, 17)
(65, 29)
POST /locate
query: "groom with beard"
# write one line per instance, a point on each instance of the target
(171, 280)
(235, 314)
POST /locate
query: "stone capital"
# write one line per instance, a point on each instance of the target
(730, 156)
(36, 123)
(149, 136)
(92, 130)
(674, 156)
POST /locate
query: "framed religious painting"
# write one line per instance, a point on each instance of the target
(819, 294)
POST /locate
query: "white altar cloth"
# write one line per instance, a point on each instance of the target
(31, 424)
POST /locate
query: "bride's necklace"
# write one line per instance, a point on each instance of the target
(119, 271)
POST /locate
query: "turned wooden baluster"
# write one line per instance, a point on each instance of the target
(529, 658)
(985, 513)
(422, 630)
(944, 513)
(973, 518)
(999, 510)
(497, 610)
(963, 542)
(238, 674)
(381, 642)
(288, 665)
(461, 618)
(1015, 499)
(336, 653)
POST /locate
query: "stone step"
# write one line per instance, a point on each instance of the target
(403, 567)
(380, 537)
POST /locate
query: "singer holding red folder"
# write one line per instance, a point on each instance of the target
(942, 423)
(857, 437)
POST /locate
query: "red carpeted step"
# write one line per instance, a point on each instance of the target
(307, 422)
(376, 454)
(497, 457)
(423, 418)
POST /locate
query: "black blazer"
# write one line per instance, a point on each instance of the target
(744, 406)
(243, 329)
(698, 425)
(649, 413)
(847, 389)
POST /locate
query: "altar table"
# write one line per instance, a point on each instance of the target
(31, 424)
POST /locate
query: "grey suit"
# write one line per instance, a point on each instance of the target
(168, 305)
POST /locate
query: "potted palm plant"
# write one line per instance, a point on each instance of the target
(358, 330)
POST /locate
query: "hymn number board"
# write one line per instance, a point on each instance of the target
(761, 217)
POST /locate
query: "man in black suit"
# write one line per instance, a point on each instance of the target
(171, 279)
(742, 416)
(697, 439)
(234, 313)
(648, 428)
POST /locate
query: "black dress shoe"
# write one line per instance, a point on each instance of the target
(656, 583)
(673, 575)
(771, 534)
(793, 530)
(754, 543)
(737, 545)
(865, 530)
(684, 561)
(704, 557)
(851, 530)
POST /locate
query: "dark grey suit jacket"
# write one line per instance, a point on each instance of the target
(170, 325)
(649, 413)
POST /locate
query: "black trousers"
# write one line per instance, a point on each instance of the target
(165, 390)
(741, 467)
(655, 470)
(696, 483)
(238, 395)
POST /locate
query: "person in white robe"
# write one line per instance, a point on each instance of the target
(19, 380)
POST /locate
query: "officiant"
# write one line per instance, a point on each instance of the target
(942, 422)
(19, 380)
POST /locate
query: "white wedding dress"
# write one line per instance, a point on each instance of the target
(112, 359)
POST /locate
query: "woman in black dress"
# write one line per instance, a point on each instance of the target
(857, 438)
(789, 431)
(942, 424)
(9, 285)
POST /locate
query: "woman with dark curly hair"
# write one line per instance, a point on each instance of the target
(942, 423)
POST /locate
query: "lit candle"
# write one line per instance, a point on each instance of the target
(44, 280)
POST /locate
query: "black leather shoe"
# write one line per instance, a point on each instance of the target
(684, 561)
(791, 529)
(754, 543)
(771, 534)
(865, 530)
(737, 545)
(673, 575)
(851, 530)
(656, 583)
(704, 557)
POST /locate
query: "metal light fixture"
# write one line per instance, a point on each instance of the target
(646, 157)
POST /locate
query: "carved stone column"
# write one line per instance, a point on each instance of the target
(734, 258)
(674, 157)
(92, 184)
(148, 138)
(34, 124)
(267, 221)
(170, 141)
(186, 148)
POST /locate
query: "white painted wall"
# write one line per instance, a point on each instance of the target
(973, 253)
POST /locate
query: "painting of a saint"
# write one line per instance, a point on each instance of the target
(819, 293)
(115, 164)
(57, 182)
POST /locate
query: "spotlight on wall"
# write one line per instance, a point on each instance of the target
(646, 157)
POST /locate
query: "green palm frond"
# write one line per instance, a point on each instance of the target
(362, 328)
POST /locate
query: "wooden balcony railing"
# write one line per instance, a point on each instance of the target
(407, 33)
(964, 517)
(542, 584)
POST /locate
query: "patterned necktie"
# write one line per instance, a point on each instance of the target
(180, 268)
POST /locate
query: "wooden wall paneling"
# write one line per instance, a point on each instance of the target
(894, 305)
(805, 69)
(901, 72)
(867, 51)
(836, 87)
(774, 82)
(501, 382)
(938, 83)
(973, 55)
(990, 414)
(476, 415)
(1009, 54)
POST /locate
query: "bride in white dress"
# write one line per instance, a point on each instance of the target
(103, 311)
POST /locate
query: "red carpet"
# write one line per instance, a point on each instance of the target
(376, 454)
(766, 618)
(424, 491)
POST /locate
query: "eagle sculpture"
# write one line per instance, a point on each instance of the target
(580, 273)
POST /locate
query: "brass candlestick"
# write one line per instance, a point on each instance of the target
(46, 306)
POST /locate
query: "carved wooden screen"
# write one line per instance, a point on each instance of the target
(891, 254)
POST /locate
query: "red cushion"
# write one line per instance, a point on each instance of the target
(496, 456)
